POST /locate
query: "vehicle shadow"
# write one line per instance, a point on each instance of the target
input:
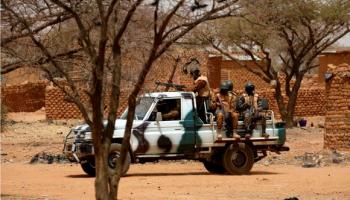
(253, 173)
(168, 174)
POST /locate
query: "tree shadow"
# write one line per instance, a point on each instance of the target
(79, 176)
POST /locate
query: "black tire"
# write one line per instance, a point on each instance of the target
(88, 167)
(215, 168)
(238, 159)
(115, 153)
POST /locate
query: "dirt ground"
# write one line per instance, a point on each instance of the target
(275, 177)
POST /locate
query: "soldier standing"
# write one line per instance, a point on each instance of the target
(226, 110)
(249, 103)
(201, 87)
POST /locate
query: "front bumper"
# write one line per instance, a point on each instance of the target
(77, 150)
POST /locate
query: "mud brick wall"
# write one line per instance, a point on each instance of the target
(334, 58)
(337, 122)
(28, 97)
(57, 107)
(311, 102)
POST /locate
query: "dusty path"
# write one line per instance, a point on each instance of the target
(176, 180)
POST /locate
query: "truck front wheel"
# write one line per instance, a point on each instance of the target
(88, 167)
(238, 159)
(114, 156)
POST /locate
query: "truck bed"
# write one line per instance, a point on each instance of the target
(255, 139)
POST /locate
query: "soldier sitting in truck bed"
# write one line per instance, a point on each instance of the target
(226, 110)
(249, 104)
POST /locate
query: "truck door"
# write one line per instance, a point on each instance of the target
(173, 134)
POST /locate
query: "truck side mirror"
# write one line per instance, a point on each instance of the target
(159, 117)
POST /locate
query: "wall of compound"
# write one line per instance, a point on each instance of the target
(27, 97)
(337, 122)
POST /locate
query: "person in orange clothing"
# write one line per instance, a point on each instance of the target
(226, 110)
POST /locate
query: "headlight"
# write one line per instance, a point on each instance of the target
(88, 136)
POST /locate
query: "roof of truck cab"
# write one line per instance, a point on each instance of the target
(168, 94)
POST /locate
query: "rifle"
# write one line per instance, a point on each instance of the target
(178, 87)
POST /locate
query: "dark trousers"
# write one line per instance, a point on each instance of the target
(201, 108)
(250, 121)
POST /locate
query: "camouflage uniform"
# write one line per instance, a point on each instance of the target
(226, 110)
(252, 111)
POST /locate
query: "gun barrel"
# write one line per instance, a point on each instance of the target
(173, 85)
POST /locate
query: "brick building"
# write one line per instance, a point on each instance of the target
(220, 69)
(335, 56)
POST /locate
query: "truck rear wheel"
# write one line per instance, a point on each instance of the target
(213, 167)
(238, 159)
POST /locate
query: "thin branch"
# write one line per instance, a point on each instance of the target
(82, 29)
(58, 20)
(43, 60)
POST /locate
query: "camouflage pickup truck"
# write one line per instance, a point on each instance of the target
(156, 135)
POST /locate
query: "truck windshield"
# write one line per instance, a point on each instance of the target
(142, 106)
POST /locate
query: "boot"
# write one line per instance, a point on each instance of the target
(235, 135)
(265, 135)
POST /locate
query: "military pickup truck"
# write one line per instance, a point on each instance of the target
(167, 127)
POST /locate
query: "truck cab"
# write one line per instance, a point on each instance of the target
(167, 126)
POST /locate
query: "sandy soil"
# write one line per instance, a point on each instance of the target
(275, 177)
(178, 181)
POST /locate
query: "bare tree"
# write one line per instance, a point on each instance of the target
(283, 39)
(102, 38)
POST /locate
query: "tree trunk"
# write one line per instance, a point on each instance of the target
(114, 104)
(101, 184)
(280, 100)
(292, 101)
(101, 145)
(131, 112)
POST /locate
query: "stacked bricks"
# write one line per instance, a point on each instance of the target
(337, 122)
(311, 97)
(310, 102)
(28, 97)
(57, 107)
